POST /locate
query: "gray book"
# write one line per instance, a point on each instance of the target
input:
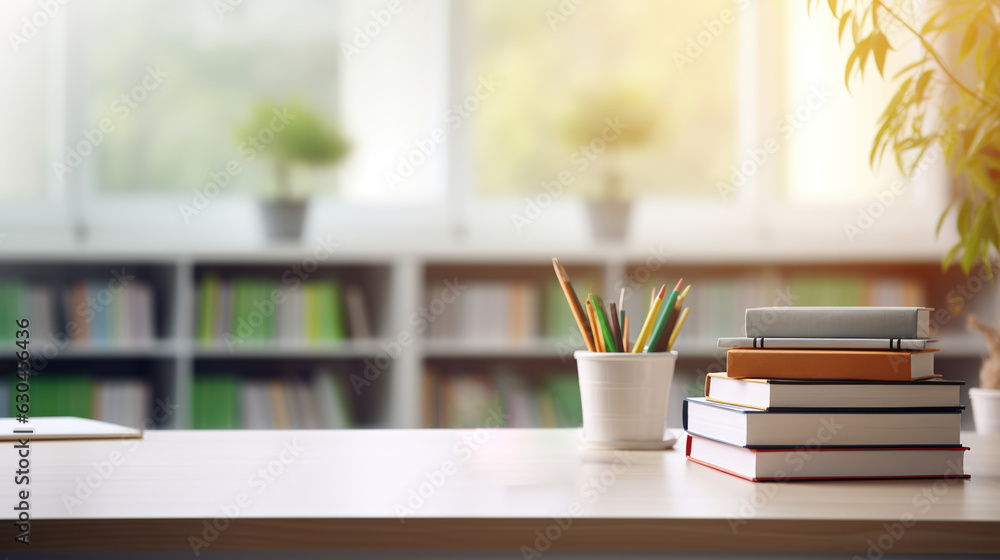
(838, 322)
(829, 343)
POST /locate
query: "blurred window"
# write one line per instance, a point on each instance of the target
(638, 96)
(174, 81)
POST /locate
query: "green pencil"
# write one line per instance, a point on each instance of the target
(661, 322)
(609, 341)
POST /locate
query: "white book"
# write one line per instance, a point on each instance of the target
(42, 311)
(770, 394)
(749, 427)
(819, 463)
(307, 401)
(256, 404)
(845, 343)
(325, 387)
(64, 428)
(357, 315)
(296, 395)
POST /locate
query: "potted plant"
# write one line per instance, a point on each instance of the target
(302, 137)
(605, 123)
(986, 398)
(949, 100)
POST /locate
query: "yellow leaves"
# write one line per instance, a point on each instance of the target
(922, 82)
(843, 23)
(880, 46)
(926, 112)
(968, 41)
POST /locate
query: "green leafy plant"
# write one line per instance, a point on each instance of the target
(590, 118)
(300, 136)
(949, 99)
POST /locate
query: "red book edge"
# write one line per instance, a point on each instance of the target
(687, 454)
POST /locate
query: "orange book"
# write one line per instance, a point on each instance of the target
(829, 364)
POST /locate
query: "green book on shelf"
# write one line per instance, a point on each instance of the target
(215, 402)
(268, 330)
(42, 395)
(238, 287)
(12, 295)
(312, 310)
(76, 396)
(812, 290)
(565, 393)
(59, 395)
(335, 312)
(208, 300)
(225, 402)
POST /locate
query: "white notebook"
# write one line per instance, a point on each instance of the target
(63, 427)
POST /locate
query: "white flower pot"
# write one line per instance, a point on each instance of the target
(986, 410)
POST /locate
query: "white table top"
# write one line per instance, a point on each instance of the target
(412, 488)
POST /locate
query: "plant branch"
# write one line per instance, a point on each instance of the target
(930, 50)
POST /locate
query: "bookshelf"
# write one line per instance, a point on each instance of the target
(405, 354)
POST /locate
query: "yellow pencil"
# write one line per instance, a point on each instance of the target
(677, 328)
(647, 325)
(682, 295)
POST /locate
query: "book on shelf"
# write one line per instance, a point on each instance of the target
(89, 312)
(791, 394)
(264, 310)
(119, 400)
(750, 427)
(505, 399)
(557, 318)
(875, 365)
(727, 342)
(226, 401)
(486, 312)
(838, 322)
(795, 463)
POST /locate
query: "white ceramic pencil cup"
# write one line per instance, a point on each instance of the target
(625, 398)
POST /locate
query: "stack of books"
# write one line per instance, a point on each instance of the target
(829, 392)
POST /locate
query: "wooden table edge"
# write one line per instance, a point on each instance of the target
(773, 535)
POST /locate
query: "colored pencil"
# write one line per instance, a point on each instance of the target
(647, 325)
(661, 346)
(598, 340)
(622, 317)
(616, 329)
(677, 329)
(621, 302)
(602, 323)
(574, 305)
(625, 335)
(661, 322)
